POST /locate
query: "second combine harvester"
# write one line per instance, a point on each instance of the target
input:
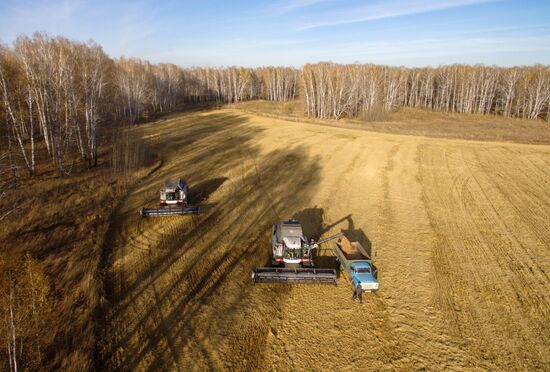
(293, 257)
(174, 200)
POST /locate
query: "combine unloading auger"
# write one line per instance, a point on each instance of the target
(332, 237)
(294, 275)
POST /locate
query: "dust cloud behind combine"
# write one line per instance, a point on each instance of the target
(458, 230)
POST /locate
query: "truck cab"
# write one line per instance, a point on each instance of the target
(361, 274)
(355, 260)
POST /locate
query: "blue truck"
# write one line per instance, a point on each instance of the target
(353, 259)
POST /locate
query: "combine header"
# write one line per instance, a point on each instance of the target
(169, 211)
(291, 249)
(294, 275)
(173, 201)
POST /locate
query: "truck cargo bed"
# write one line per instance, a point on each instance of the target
(352, 250)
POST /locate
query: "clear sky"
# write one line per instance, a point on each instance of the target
(294, 32)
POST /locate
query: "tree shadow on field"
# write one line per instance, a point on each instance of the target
(313, 223)
(184, 306)
(184, 108)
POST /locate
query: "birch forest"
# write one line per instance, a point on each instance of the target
(61, 97)
(25, 312)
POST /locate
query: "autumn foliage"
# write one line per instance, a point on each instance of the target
(62, 101)
(66, 94)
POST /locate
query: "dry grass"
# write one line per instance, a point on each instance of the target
(375, 114)
(457, 229)
(291, 109)
(62, 223)
(417, 122)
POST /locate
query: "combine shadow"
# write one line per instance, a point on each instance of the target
(311, 220)
(200, 193)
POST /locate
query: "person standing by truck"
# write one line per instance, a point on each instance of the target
(358, 293)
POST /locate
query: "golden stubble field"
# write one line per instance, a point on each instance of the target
(459, 231)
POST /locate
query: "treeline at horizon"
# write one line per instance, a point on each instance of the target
(64, 95)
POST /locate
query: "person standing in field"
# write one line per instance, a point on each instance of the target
(358, 293)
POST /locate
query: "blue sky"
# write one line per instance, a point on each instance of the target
(294, 32)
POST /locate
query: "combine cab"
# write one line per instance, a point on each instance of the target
(295, 256)
(174, 193)
(290, 246)
(173, 201)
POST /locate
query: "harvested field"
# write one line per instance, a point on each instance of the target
(418, 122)
(459, 232)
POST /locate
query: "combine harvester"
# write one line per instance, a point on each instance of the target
(173, 201)
(294, 255)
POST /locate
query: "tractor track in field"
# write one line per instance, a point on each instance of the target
(488, 241)
(458, 231)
